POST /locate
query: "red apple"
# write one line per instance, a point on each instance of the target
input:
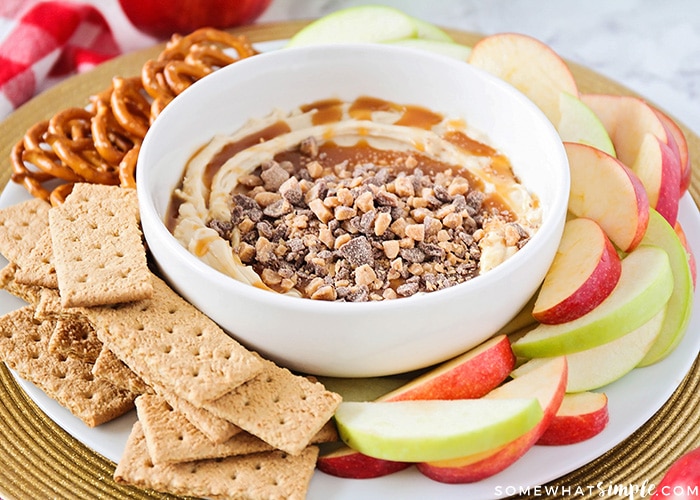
(585, 270)
(682, 480)
(162, 18)
(620, 205)
(680, 146)
(691, 255)
(547, 383)
(581, 416)
(470, 375)
(528, 65)
(629, 122)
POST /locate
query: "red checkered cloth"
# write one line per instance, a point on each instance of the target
(46, 42)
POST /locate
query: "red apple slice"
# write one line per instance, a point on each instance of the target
(529, 65)
(584, 272)
(659, 170)
(581, 416)
(548, 384)
(620, 204)
(681, 147)
(629, 121)
(470, 375)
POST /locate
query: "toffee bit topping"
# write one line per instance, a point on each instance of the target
(360, 228)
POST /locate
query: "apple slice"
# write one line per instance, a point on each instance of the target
(629, 121)
(470, 375)
(529, 65)
(692, 262)
(365, 23)
(547, 383)
(429, 31)
(449, 49)
(659, 170)
(578, 123)
(580, 417)
(583, 273)
(680, 305)
(620, 205)
(416, 431)
(599, 366)
(645, 285)
(681, 147)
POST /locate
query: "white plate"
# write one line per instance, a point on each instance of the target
(632, 401)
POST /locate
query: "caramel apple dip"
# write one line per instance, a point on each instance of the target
(352, 201)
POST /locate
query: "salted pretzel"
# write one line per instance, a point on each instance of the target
(129, 105)
(70, 137)
(127, 168)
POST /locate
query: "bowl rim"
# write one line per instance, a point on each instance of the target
(149, 213)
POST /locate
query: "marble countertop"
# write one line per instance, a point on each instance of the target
(651, 47)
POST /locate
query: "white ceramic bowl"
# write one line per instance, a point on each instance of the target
(371, 338)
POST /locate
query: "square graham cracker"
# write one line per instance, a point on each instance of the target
(283, 409)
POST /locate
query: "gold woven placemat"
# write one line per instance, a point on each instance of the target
(38, 459)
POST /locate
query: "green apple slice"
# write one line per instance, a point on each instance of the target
(599, 366)
(660, 233)
(644, 287)
(429, 31)
(365, 23)
(429, 430)
(449, 49)
(578, 123)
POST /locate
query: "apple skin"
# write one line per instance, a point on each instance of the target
(162, 18)
(681, 480)
(581, 416)
(548, 384)
(680, 147)
(348, 463)
(584, 272)
(620, 205)
(529, 65)
(680, 305)
(470, 375)
(692, 262)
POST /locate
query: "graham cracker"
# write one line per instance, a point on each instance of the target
(98, 250)
(67, 379)
(75, 337)
(31, 294)
(109, 367)
(171, 438)
(283, 409)
(170, 343)
(268, 475)
(217, 430)
(37, 268)
(21, 226)
(48, 306)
